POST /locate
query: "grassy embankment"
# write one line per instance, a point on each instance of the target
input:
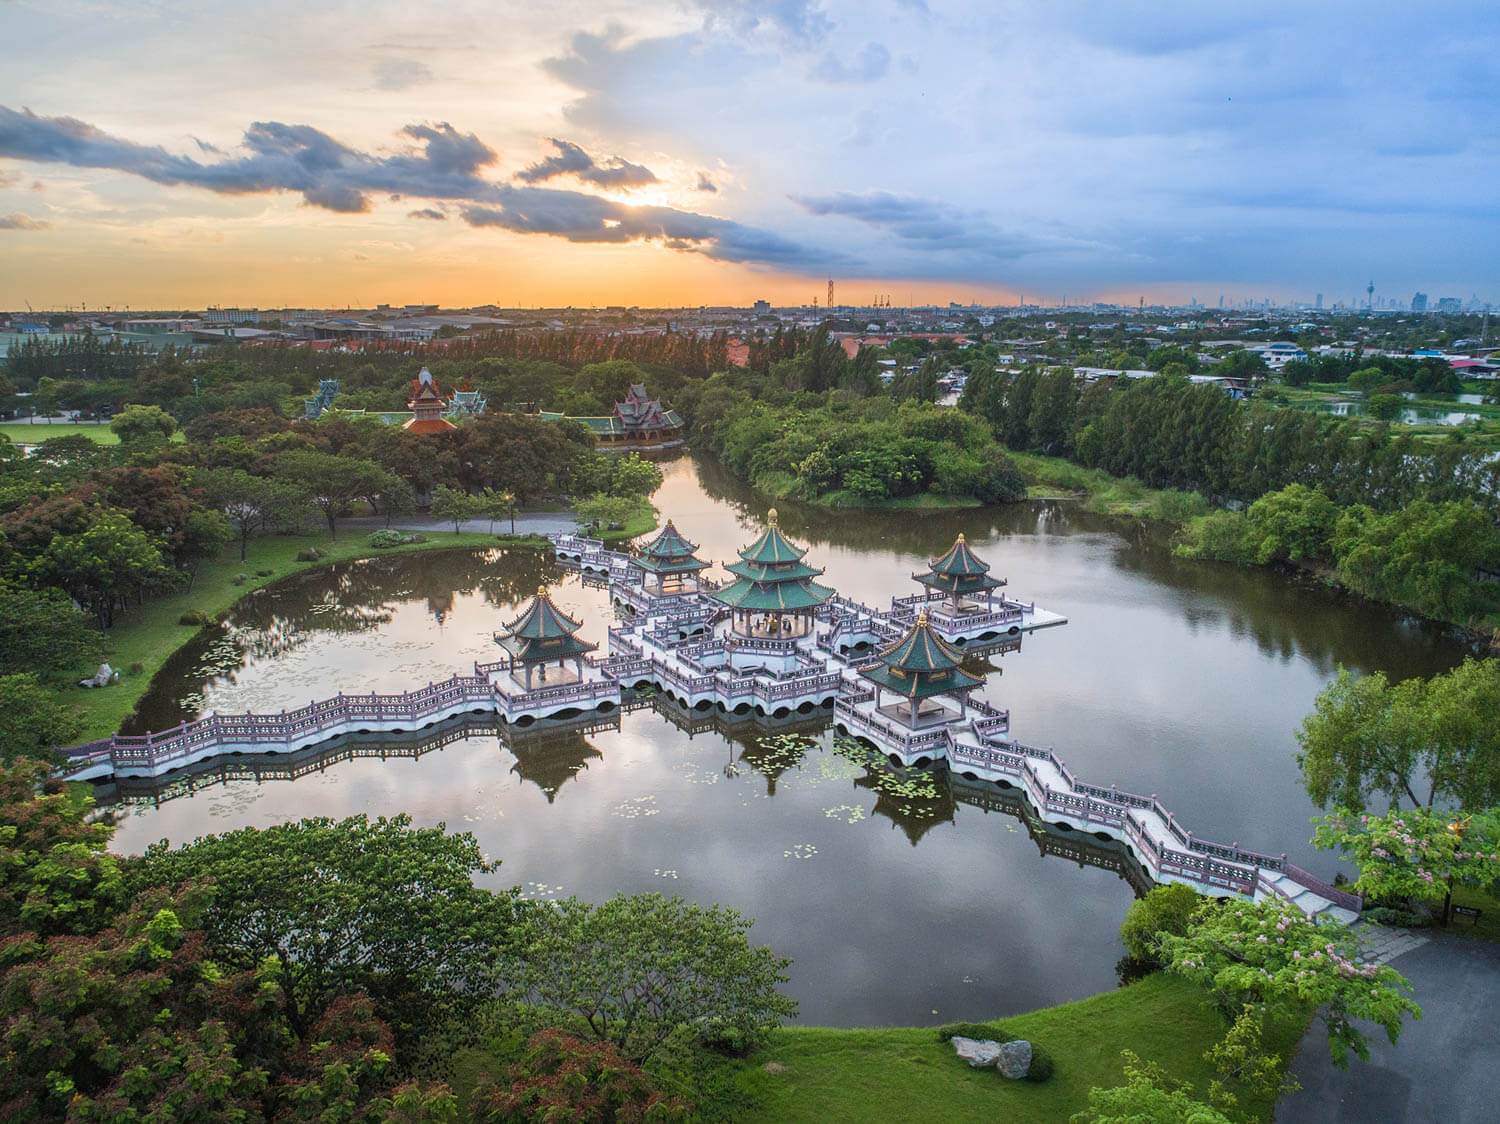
(145, 636)
(784, 486)
(905, 1073)
(825, 1075)
(1053, 478)
(29, 433)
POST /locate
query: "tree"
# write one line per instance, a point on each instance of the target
(455, 506)
(249, 502)
(343, 905)
(638, 966)
(1416, 854)
(143, 425)
(101, 565)
(1366, 736)
(610, 512)
(1295, 524)
(330, 483)
(1149, 1096)
(41, 632)
(1273, 955)
(499, 505)
(1163, 910)
(565, 1078)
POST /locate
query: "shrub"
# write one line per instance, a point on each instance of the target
(386, 538)
(1397, 918)
(264, 573)
(241, 579)
(993, 1031)
(1041, 1065)
(563, 1078)
(311, 554)
(195, 617)
(1164, 909)
(137, 667)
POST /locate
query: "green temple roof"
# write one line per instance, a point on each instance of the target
(669, 553)
(920, 665)
(772, 546)
(773, 596)
(773, 572)
(960, 561)
(543, 632)
(955, 584)
(772, 576)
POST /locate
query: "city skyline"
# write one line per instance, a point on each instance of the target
(709, 152)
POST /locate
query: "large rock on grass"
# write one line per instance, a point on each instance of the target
(1014, 1059)
(978, 1052)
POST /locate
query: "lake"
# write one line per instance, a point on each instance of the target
(1178, 678)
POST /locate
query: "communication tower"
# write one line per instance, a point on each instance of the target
(830, 292)
(1370, 294)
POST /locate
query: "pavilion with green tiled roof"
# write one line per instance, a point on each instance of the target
(960, 573)
(773, 594)
(671, 558)
(542, 634)
(920, 666)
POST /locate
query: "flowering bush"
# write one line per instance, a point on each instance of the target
(1273, 955)
(1415, 854)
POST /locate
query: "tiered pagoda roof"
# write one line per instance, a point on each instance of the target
(543, 633)
(427, 406)
(771, 576)
(958, 572)
(640, 411)
(920, 665)
(669, 553)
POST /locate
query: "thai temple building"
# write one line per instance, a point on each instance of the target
(770, 645)
(466, 402)
(773, 595)
(427, 406)
(542, 635)
(669, 564)
(922, 672)
(639, 422)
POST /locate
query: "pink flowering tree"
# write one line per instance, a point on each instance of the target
(1416, 854)
(1272, 955)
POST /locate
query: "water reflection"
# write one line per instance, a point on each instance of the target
(1183, 679)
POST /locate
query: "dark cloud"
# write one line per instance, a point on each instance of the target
(427, 213)
(281, 158)
(706, 184)
(579, 217)
(869, 65)
(797, 22)
(18, 221)
(401, 74)
(571, 160)
(331, 175)
(930, 226)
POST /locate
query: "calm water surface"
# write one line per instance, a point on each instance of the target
(1183, 679)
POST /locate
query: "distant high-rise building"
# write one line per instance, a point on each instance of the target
(1419, 302)
(1450, 304)
(1318, 304)
(761, 308)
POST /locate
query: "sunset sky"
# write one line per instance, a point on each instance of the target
(160, 154)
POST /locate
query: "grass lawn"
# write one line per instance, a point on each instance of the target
(148, 634)
(633, 528)
(1487, 925)
(24, 433)
(905, 1073)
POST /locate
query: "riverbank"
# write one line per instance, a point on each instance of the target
(907, 1073)
(146, 636)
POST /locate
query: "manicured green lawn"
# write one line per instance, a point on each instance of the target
(25, 433)
(905, 1073)
(148, 634)
(1487, 925)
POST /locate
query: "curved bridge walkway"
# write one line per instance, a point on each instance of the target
(669, 645)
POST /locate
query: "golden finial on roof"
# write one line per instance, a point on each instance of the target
(541, 590)
(922, 619)
(771, 517)
(960, 536)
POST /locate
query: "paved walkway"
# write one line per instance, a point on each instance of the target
(527, 523)
(1446, 1067)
